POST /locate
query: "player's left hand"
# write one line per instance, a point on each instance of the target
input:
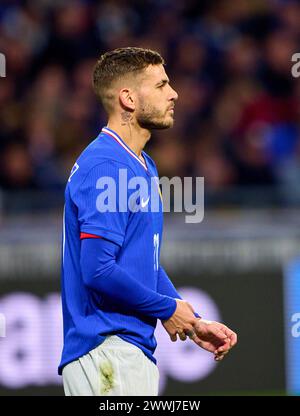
(214, 337)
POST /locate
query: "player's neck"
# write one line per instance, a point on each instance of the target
(133, 135)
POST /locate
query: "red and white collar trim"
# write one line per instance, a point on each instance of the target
(115, 136)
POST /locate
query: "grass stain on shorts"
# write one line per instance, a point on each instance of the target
(106, 377)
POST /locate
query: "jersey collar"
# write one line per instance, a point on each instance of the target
(118, 139)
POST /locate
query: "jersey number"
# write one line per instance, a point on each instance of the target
(156, 250)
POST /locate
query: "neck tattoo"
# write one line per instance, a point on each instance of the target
(126, 117)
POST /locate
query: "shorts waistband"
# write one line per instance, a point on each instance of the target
(114, 340)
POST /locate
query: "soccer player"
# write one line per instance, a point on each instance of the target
(113, 287)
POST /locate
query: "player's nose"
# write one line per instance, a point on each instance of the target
(173, 95)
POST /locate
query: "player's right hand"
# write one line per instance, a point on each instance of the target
(181, 322)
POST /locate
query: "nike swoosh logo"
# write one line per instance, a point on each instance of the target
(144, 203)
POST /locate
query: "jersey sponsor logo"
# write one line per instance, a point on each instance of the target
(145, 203)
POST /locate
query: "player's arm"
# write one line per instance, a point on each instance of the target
(101, 273)
(166, 287)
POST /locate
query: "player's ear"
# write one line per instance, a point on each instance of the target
(126, 98)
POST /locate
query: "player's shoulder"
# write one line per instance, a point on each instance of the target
(98, 158)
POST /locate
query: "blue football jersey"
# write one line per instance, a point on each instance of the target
(113, 194)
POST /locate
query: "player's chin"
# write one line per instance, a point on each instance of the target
(169, 121)
(166, 124)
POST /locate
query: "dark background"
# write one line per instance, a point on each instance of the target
(253, 304)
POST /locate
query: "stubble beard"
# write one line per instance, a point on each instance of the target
(152, 119)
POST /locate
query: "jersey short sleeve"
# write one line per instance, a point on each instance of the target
(101, 200)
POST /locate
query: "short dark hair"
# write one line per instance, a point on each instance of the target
(115, 64)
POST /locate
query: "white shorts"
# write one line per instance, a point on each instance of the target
(114, 368)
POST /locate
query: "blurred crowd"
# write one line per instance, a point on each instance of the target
(237, 116)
